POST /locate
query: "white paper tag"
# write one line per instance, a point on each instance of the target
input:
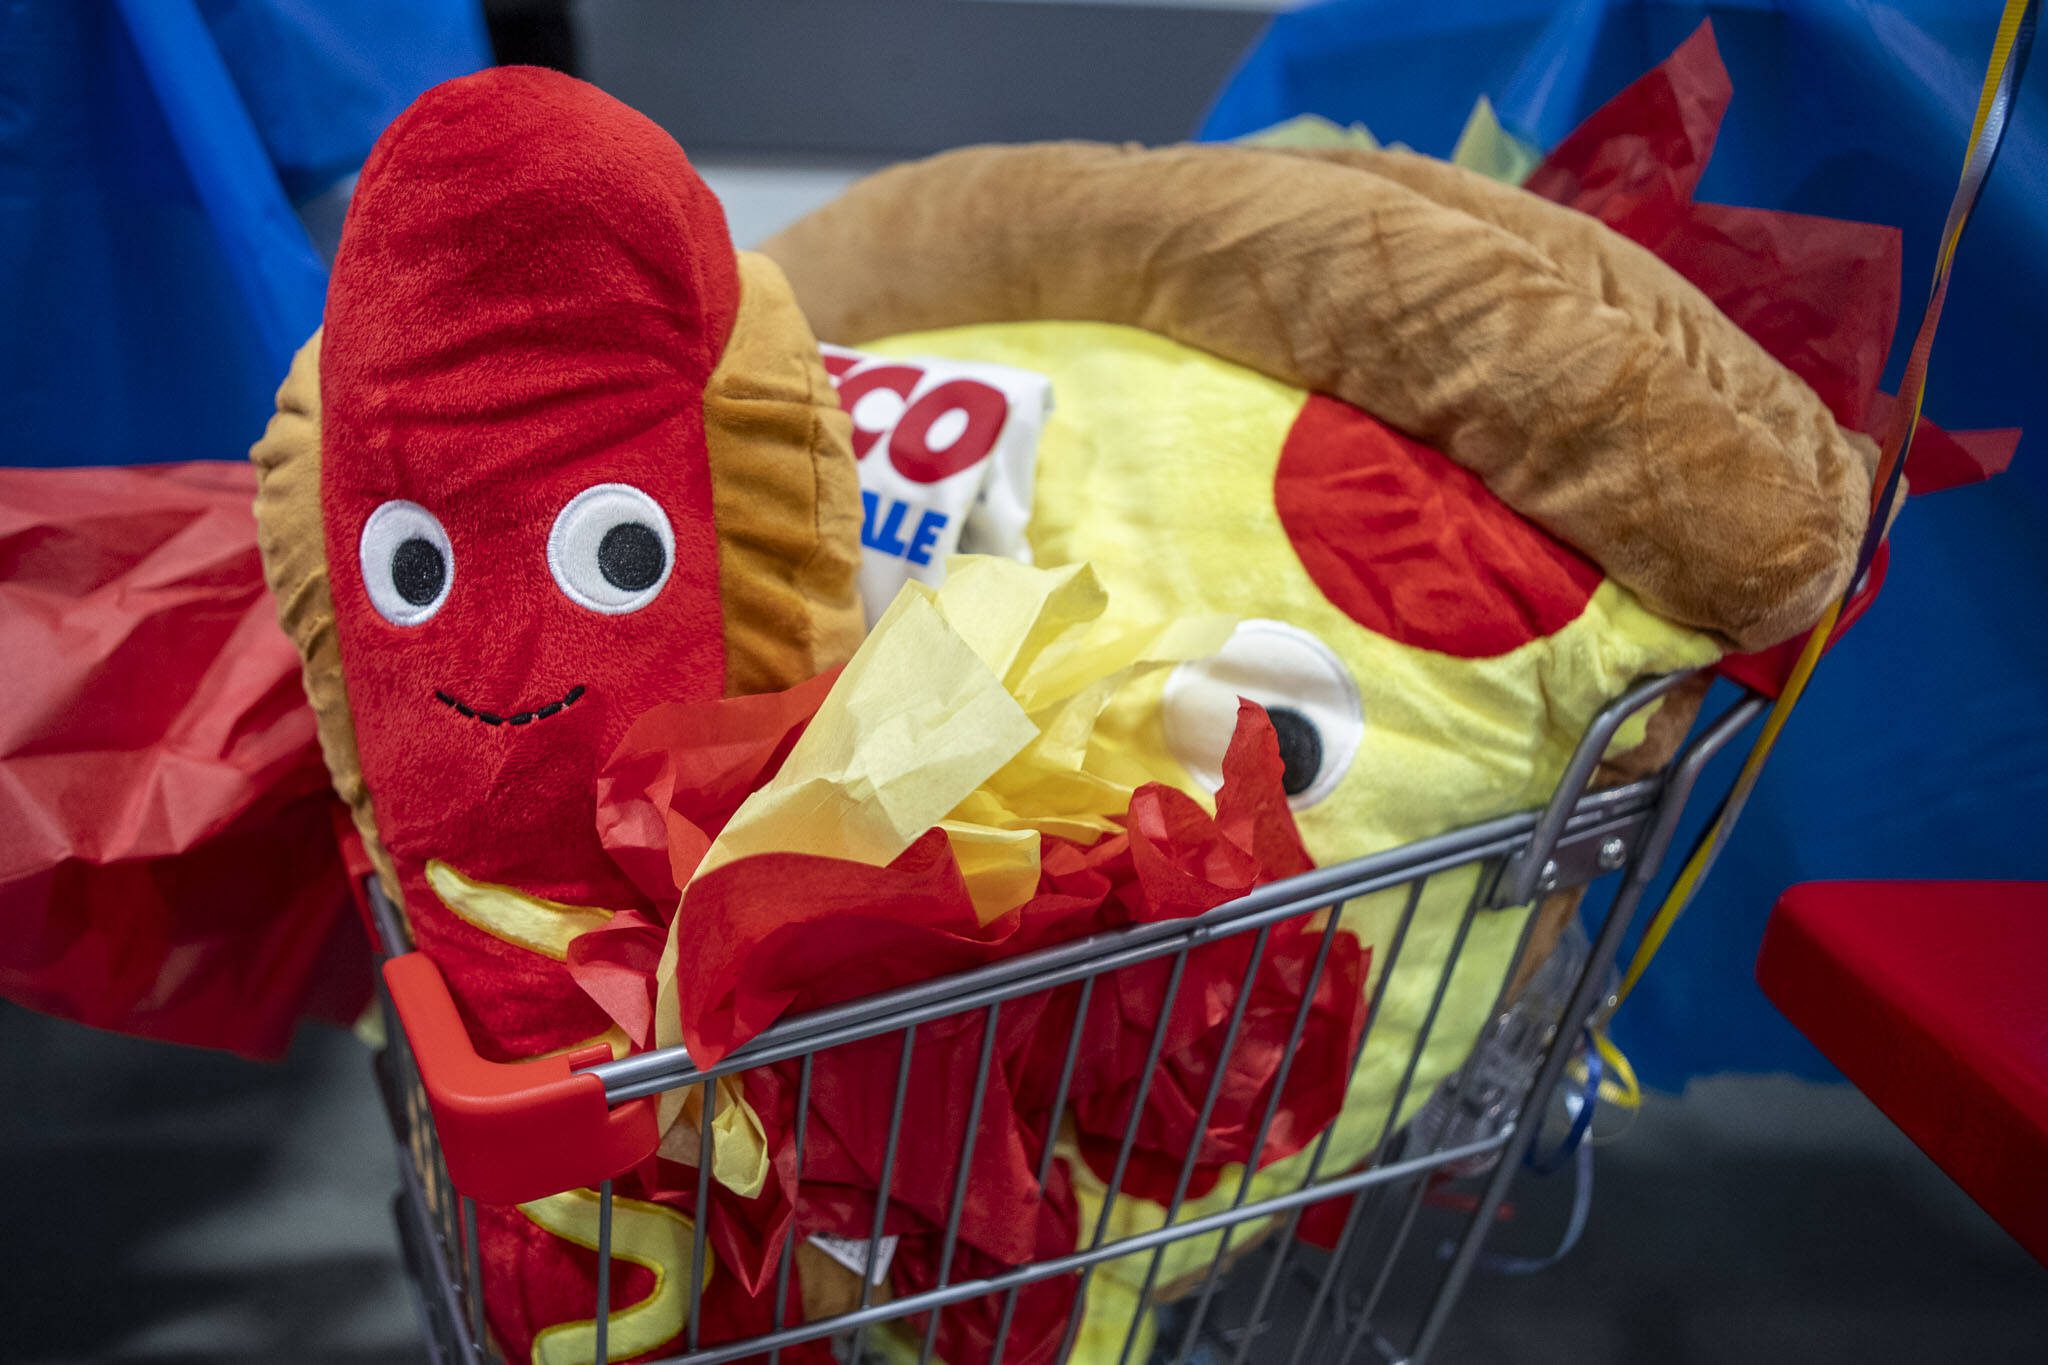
(852, 1253)
(947, 453)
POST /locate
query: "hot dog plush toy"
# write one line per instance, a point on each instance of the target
(559, 455)
(1466, 463)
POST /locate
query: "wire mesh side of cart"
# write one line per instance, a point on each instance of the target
(1379, 1292)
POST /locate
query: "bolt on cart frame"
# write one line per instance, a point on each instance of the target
(468, 1129)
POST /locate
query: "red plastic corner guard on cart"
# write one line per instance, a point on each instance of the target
(513, 1131)
(1932, 997)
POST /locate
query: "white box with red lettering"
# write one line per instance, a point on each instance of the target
(946, 450)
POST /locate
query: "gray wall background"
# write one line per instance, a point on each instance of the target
(887, 79)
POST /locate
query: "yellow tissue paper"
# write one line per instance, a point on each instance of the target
(971, 708)
(1313, 130)
(1484, 145)
(1492, 150)
(914, 724)
(739, 1145)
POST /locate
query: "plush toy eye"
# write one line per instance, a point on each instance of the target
(408, 564)
(1308, 693)
(611, 548)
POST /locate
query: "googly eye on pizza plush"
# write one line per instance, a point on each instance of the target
(559, 455)
(1307, 692)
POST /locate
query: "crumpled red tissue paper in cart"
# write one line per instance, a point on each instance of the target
(168, 857)
(677, 776)
(1185, 864)
(774, 934)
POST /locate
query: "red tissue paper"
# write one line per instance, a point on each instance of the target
(772, 935)
(1185, 863)
(168, 862)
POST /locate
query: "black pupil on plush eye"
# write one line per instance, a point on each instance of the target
(1301, 748)
(418, 570)
(630, 557)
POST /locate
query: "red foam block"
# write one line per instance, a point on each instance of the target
(1932, 997)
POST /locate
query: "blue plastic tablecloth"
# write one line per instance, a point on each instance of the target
(1922, 750)
(152, 153)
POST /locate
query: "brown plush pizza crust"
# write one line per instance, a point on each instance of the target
(1593, 389)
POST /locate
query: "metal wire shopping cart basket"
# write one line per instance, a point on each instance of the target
(468, 1129)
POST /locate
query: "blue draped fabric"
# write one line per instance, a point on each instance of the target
(1922, 750)
(153, 154)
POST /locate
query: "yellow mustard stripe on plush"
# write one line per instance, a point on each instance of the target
(540, 926)
(739, 1145)
(651, 1236)
(1112, 1307)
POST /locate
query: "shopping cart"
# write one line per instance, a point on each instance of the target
(470, 1130)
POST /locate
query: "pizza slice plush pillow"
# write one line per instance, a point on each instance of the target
(1465, 463)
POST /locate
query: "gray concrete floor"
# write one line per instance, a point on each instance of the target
(174, 1206)
(170, 1205)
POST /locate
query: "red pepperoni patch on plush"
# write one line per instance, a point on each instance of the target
(1413, 546)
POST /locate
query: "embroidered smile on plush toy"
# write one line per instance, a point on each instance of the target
(559, 456)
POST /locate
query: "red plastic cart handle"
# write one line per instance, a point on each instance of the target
(513, 1131)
